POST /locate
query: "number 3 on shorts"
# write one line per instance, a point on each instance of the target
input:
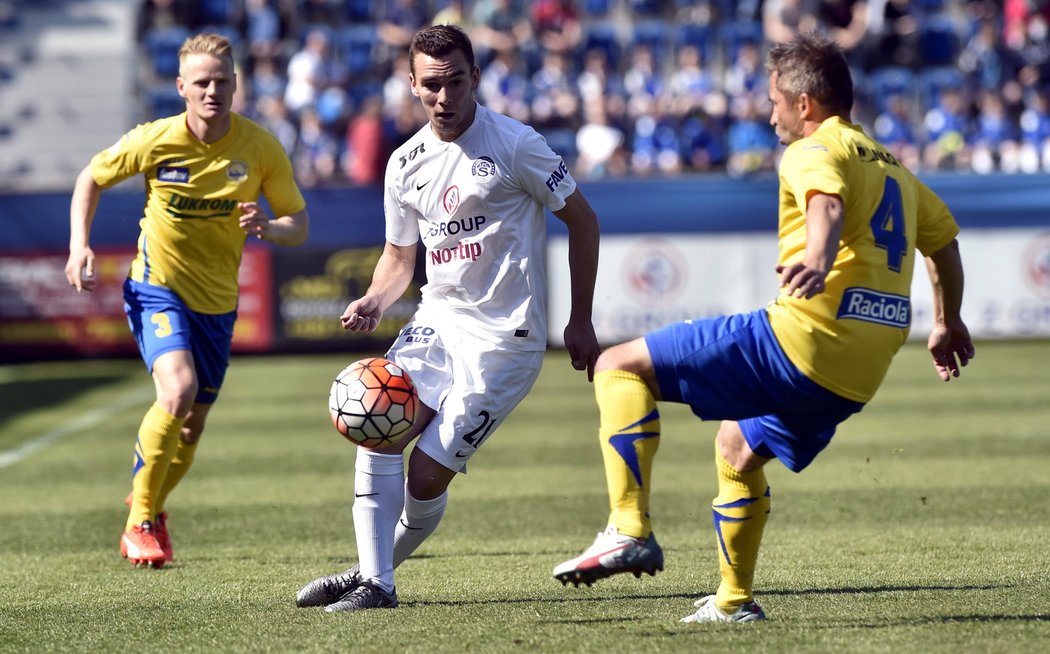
(887, 225)
(163, 324)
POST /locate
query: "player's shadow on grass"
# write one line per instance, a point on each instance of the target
(24, 396)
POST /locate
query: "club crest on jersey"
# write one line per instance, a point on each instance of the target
(236, 170)
(873, 306)
(173, 174)
(484, 167)
(451, 199)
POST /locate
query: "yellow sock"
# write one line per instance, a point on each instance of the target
(630, 434)
(180, 465)
(740, 512)
(156, 445)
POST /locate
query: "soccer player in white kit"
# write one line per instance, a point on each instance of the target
(472, 184)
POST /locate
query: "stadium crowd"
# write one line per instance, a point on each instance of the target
(626, 87)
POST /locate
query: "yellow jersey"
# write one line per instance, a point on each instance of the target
(191, 241)
(845, 338)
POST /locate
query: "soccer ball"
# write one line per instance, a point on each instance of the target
(373, 402)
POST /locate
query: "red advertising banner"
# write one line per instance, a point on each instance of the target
(42, 317)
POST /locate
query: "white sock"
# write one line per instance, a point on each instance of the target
(379, 498)
(418, 521)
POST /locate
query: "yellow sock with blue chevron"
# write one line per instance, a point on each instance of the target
(180, 465)
(158, 439)
(629, 433)
(740, 513)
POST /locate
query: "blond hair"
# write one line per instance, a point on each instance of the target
(212, 44)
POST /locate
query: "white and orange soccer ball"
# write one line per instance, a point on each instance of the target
(373, 402)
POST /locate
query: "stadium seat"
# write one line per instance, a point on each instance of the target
(355, 45)
(602, 34)
(163, 101)
(932, 81)
(217, 12)
(362, 11)
(162, 47)
(695, 34)
(656, 35)
(736, 33)
(939, 40)
(884, 82)
(596, 8)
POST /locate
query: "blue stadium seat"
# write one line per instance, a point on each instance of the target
(596, 8)
(602, 34)
(162, 47)
(892, 80)
(163, 101)
(939, 40)
(362, 11)
(355, 45)
(736, 33)
(218, 12)
(932, 81)
(655, 34)
(700, 36)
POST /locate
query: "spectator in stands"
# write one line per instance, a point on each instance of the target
(557, 25)
(316, 152)
(453, 13)
(310, 70)
(746, 74)
(1035, 132)
(266, 79)
(703, 135)
(984, 60)
(783, 19)
(319, 12)
(400, 20)
(642, 80)
(600, 144)
(845, 21)
(366, 152)
(893, 33)
(656, 146)
(995, 145)
(689, 83)
(504, 87)
(263, 29)
(750, 140)
(163, 14)
(947, 133)
(597, 80)
(273, 115)
(500, 26)
(892, 128)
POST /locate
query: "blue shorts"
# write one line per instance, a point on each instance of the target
(732, 368)
(161, 323)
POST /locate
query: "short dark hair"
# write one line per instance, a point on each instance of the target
(812, 64)
(440, 41)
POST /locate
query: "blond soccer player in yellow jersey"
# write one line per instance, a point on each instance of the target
(782, 378)
(204, 171)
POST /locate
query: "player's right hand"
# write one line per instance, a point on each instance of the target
(80, 269)
(362, 315)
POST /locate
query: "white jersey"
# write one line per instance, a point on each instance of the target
(477, 203)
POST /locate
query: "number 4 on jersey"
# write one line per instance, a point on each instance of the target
(887, 225)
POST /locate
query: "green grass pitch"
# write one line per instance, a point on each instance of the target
(923, 528)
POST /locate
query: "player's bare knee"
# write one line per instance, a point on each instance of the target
(632, 356)
(734, 448)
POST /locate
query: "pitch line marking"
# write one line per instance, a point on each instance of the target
(84, 422)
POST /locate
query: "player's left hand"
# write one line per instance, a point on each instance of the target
(254, 220)
(801, 280)
(582, 345)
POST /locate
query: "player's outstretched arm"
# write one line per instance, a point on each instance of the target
(949, 342)
(584, 235)
(80, 267)
(391, 277)
(288, 230)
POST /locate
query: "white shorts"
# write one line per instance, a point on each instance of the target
(472, 384)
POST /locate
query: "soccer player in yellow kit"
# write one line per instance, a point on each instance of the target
(782, 378)
(204, 170)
